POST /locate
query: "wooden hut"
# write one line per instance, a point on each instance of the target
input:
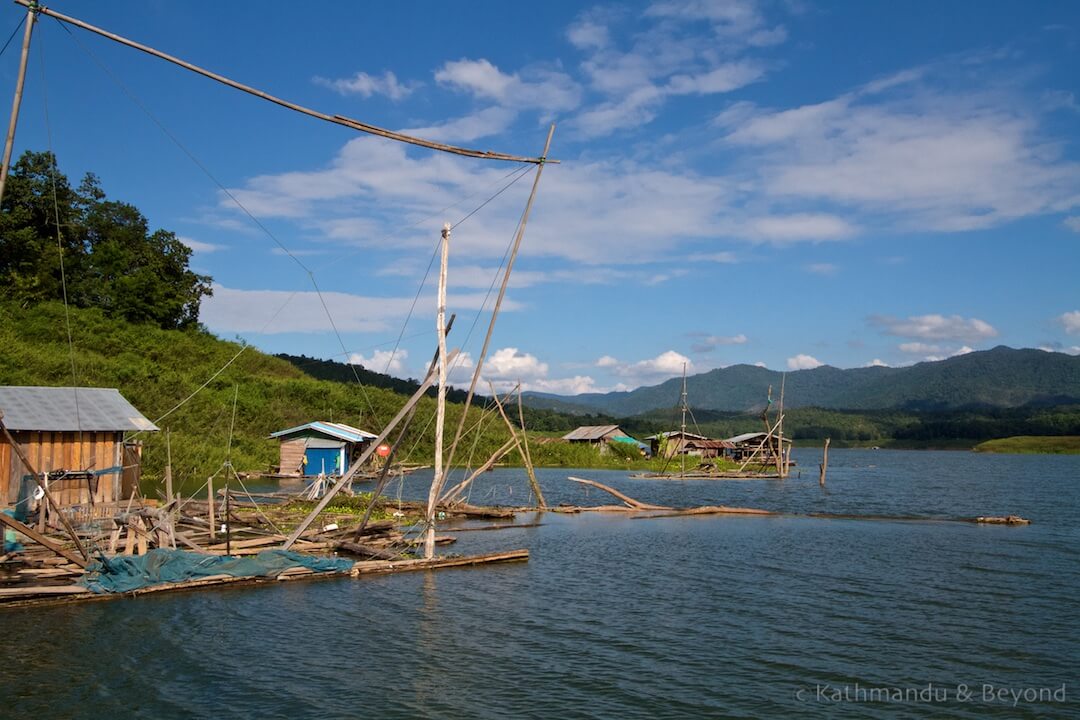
(707, 448)
(320, 447)
(745, 445)
(77, 437)
(672, 443)
(596, 435)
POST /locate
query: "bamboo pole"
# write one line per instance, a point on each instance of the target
(498, 301)
(41, 539)
(336, 119)
(44, 488)
(528, 455)
(824, 463)
(210, 505)
(521, 450)
(453, 493)
(359, 462)
(781, 466)
(32, 10)
(440, 407)
(168, 466)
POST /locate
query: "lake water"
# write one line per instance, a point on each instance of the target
(615, 617)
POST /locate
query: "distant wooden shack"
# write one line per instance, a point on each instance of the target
(77, 437)
(744, 446)
(320, 447)
(597, 435)
(707, 448)
(672, 443)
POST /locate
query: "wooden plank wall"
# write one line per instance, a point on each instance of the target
(292, 452)
(50, 451)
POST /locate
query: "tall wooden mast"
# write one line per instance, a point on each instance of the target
(31, 16)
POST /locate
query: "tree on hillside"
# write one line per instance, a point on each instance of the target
(112, 260)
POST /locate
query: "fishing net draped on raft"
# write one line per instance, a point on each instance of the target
(124, 574)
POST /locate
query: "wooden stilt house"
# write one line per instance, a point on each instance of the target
(76, 436)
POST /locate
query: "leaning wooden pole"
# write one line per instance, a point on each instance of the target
(440, 406)
(44, 487)
(336, 119)
(824, 467)
(528, 455)
(520, 448)
(781, 463)
(502, 294)
(31, 15)
(359, 462)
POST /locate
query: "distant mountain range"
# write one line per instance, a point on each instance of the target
(999, 378)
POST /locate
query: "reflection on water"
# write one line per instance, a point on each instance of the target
(616, 617)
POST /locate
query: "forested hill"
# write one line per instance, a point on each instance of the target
(997, 378)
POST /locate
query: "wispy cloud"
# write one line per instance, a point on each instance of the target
(366, 85)
(535, 87)
(200, 246)
(826, 269)
(903, 148)
(705, 343)
(935, 327)
(281, 311)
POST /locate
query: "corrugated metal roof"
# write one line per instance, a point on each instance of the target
(591, 432)
(674, 433)
(53, 409)
(750, 436)
(710, 444)
(341, 431)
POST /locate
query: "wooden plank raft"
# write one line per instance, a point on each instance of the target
(46, 595)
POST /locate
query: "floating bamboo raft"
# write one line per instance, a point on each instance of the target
(47, 569)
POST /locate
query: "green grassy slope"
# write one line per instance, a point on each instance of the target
(155, 369)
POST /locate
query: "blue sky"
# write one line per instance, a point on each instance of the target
(784, 183)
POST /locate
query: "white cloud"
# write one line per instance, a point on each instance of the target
(366, 85)
(722, 79)
(483, 123)
(724, 257)
(802, 226)
(929, 159)
(511, 364)
(1058, 347)
(198, 245)
(383, 361)
(876, 362)
(827, 269)
(760, 364)
(803, 362)
(1071, 322)
(652, 370)
(536, 88)
(1072, 222)
(281, 311)
(372, 189)
(589, 32)
(505, 367)
(936, 327)
(665, 364)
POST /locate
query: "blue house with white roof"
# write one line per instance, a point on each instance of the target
(320, 447)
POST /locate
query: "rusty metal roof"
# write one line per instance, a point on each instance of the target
(710, 444)
(69, 409)
(591, 432)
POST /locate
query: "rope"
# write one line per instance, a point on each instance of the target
(13, 34)
(54, 170)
